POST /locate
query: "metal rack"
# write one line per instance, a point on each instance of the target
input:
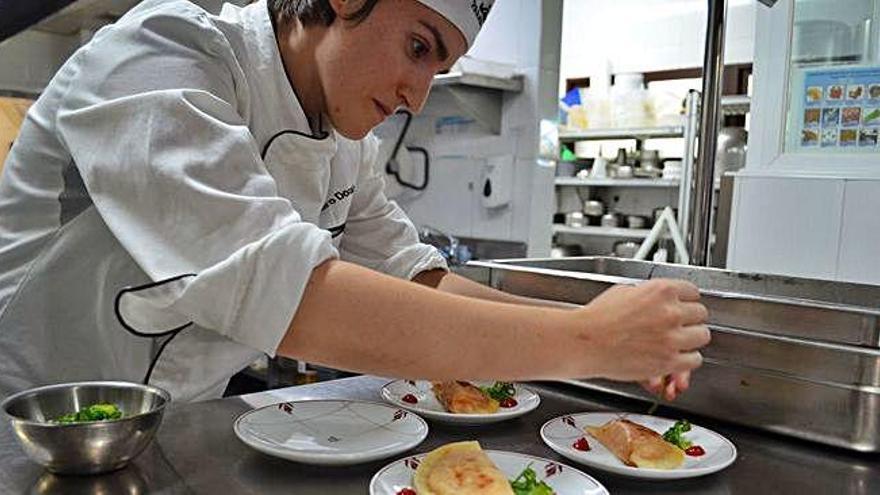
(688, 132)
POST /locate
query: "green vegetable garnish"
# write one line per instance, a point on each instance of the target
(873, 115)
(500, 390)
(675, 434)
(527, 484)
(95, 412)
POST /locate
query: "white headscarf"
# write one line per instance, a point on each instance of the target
(467, 15)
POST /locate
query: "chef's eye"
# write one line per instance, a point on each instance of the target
(418, 49)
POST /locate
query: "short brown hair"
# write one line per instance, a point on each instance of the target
(311, 12)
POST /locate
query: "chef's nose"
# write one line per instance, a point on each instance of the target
(413, 90)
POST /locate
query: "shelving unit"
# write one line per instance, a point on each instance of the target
(610, 182)
(653, 188)
(650, 193)
(638, 133)
(602, 231)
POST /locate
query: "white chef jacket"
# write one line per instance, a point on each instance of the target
(171, 153)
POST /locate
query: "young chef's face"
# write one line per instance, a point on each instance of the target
(385, 62)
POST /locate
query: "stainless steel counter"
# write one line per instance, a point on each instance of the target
(197, 452)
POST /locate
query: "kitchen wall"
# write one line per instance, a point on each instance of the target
(611, 36)
(30, 59)
(526, 35)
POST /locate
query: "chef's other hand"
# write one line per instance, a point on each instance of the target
(646, 331)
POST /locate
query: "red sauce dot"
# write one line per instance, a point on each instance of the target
(695, 451)
(581, 444)
(407, 491)
(410, 398)
(508, 402)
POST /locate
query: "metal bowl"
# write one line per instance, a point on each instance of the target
(85, 448)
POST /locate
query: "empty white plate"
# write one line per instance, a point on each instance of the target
(560, 434)
(331, 432)
(564, 480)
(428, 406)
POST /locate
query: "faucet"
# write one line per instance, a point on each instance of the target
(453, 251)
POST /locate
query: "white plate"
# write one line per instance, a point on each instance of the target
(560, 433)
(330, 432)
(429, 407)
(564, 480)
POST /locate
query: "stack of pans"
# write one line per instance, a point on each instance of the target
(791, 355)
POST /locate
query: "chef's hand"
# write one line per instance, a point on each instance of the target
(668, 387)
(651, 330)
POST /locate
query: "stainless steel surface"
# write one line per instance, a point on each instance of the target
(730, 154)
(633, 133)
(692, 108)
(514, 84)
(196, 452)
(713, 65)
(833, 311)
(815, 344)
(832, 414)
(85, 448)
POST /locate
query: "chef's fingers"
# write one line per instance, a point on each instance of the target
(692, 337)
(687, 361)
(682, 381)
(678, 383)
(685, 290)
(693, 313)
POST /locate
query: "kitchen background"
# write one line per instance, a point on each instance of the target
(570, 126)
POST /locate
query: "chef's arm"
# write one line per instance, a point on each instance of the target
(456, 284)
(360, 320)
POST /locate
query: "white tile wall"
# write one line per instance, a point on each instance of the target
(787, 226)
(859, 255)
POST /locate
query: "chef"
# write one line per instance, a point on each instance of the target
(193, 191)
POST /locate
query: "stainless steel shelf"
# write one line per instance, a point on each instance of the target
(609, 182)
(631, 133)
(478, 95)
(736, 104)
(602, 231)
(514, 84)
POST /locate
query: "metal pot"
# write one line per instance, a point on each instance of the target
(636, 221)
(574, 219)
(594, 208)
(626, 249)
(730, 154)
(566, 250)
(593, 211)
(611, 220)
(624, 172)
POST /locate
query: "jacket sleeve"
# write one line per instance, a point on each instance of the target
(153, 121)
(378, 233)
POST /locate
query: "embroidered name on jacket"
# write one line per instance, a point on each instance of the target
(338, 196)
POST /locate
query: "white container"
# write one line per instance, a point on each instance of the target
(672, 170)
(629, 102)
